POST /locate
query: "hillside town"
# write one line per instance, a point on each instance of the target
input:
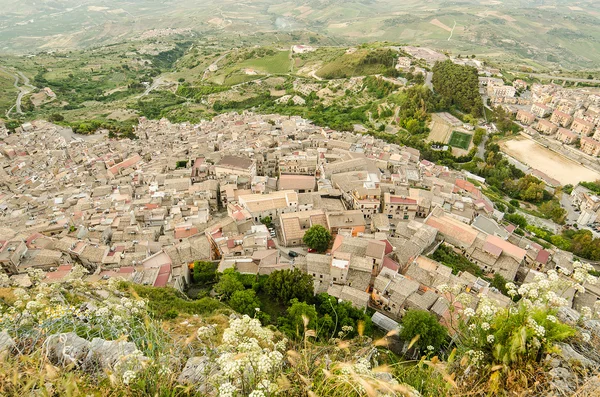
(568, 116)
(242, 190)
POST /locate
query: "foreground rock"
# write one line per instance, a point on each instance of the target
(108, 353)
(197, 371)
(6, 342)
(68, 348)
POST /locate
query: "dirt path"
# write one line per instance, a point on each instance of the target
(452, 31)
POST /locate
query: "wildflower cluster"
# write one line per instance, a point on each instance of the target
(249, 358)
(515, 335)
(53, 308)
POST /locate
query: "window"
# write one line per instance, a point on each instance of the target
(335, 279)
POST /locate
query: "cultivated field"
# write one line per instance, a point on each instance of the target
(460, 140)
(554, 165)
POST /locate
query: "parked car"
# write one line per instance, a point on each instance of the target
(312, 250)
(293, 254)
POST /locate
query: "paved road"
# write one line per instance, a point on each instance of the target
(23, 89)
(481, 147)
(567, 204)
(155, 84)
(428, 78)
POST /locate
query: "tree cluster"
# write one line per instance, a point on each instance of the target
(459, 86)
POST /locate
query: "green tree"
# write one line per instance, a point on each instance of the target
(204, 272)
(267, 220)
(228, 284)
(516, 219)
(285, 285)
(478, 136)
(333, 315)
(293, 325)
(413, 126)
(54, 117)
(459, 85)
(552, 209)
(244, 302)
(317, 238)
(426, 326)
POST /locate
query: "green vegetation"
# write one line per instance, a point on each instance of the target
(478, 136)
(460, 140)
(244, 302)
(459, 86)
(362, 62)
(204, 272)
(317, 238)
(167, 302)
(199, 92)
(455, 261)
(425, 326)
(378, 86)
(156, 105)
(593, 186)
(277, 63)
(285, 285)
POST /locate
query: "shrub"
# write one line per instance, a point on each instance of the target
(424, 325)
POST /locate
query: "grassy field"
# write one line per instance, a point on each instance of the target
(460, 140)
(276, 64)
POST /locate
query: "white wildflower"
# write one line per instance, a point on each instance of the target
(468, 312)
(551, 318)
(227, 390)
(128, 377)
(490, 338)
(586, 337)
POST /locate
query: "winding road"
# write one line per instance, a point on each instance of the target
(23, 89)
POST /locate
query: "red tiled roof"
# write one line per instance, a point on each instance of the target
(161, 280)
(492, 249)
(542, 257)
(388, 247)
(390, 264)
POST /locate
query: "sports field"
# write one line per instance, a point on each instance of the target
(460, 140)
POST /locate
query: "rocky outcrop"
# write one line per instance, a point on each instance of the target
(197, 371)
(6, 342)
(107, 353)
(575, 358)
(593, 326)
(567, 315)
(574, 369)
(67, 348)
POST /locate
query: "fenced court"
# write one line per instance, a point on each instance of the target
(460, 140)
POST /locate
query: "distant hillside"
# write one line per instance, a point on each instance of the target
(535, 33)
